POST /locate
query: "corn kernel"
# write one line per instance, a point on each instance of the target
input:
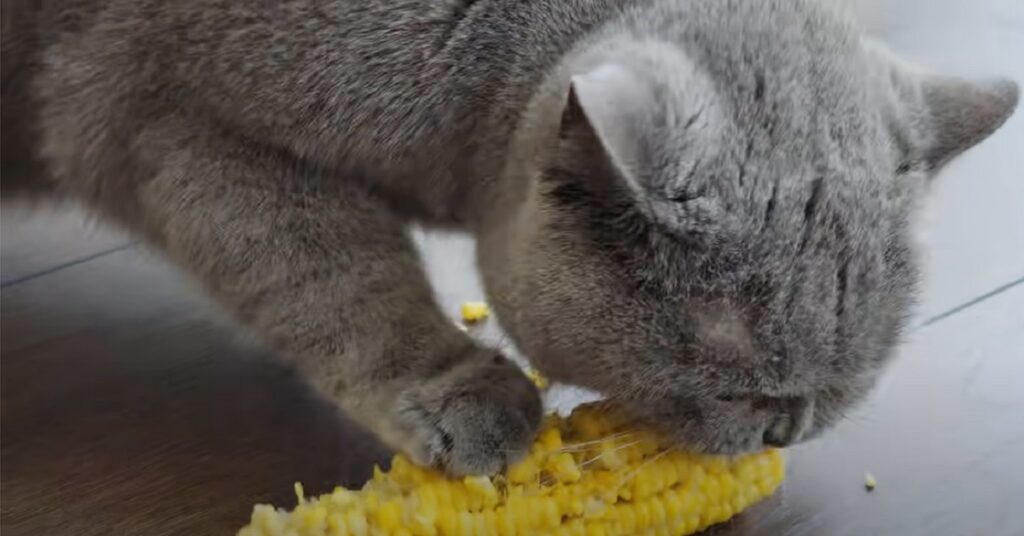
(550, 439)
(564, 468)
(523, 472)
(474, 312)
(588, 474)
(870, 483)
(540, 381)
(389, 515)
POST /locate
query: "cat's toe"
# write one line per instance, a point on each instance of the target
(479, 417)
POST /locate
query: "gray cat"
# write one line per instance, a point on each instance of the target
(699, 208)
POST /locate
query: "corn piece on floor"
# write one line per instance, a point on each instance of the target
(587, 474)
(125, 410)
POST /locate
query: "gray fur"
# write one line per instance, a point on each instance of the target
(699, 208)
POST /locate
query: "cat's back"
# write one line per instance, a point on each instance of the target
(319, 78)
(400, 92)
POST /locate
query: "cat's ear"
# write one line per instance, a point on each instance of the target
(604, 109)
(613, 115)
(962, 113)
(944, 116)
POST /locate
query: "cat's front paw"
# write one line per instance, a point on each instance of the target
(474, 419)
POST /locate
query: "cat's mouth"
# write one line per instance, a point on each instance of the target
(724, 424)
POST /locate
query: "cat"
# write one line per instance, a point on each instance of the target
(701, 209)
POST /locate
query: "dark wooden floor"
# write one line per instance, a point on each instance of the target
(128, 406)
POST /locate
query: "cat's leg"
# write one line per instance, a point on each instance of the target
(325, 272)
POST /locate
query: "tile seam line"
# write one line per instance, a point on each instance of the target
(970, 303)
(927, 322)
(62, 266)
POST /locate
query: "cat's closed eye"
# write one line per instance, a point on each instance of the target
(686, 196)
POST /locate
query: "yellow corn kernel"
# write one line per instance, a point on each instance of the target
(540, 381)
(524, 472)
(550, 440)
(616, 453)
(447, 519)
(474, 312)
(563, 467)
(870, 483)
(389, 515)
(586, 474)
(483, 490)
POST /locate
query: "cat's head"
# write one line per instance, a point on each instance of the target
(720, 238)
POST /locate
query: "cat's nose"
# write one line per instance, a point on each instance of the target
(778, 434)
(789, 426)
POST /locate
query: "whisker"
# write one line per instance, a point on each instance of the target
(599, 456)
(569, 447)
(632, 474)
(585, 463)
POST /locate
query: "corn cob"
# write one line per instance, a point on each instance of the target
(585, 475)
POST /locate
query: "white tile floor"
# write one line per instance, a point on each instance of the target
(975, 219)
